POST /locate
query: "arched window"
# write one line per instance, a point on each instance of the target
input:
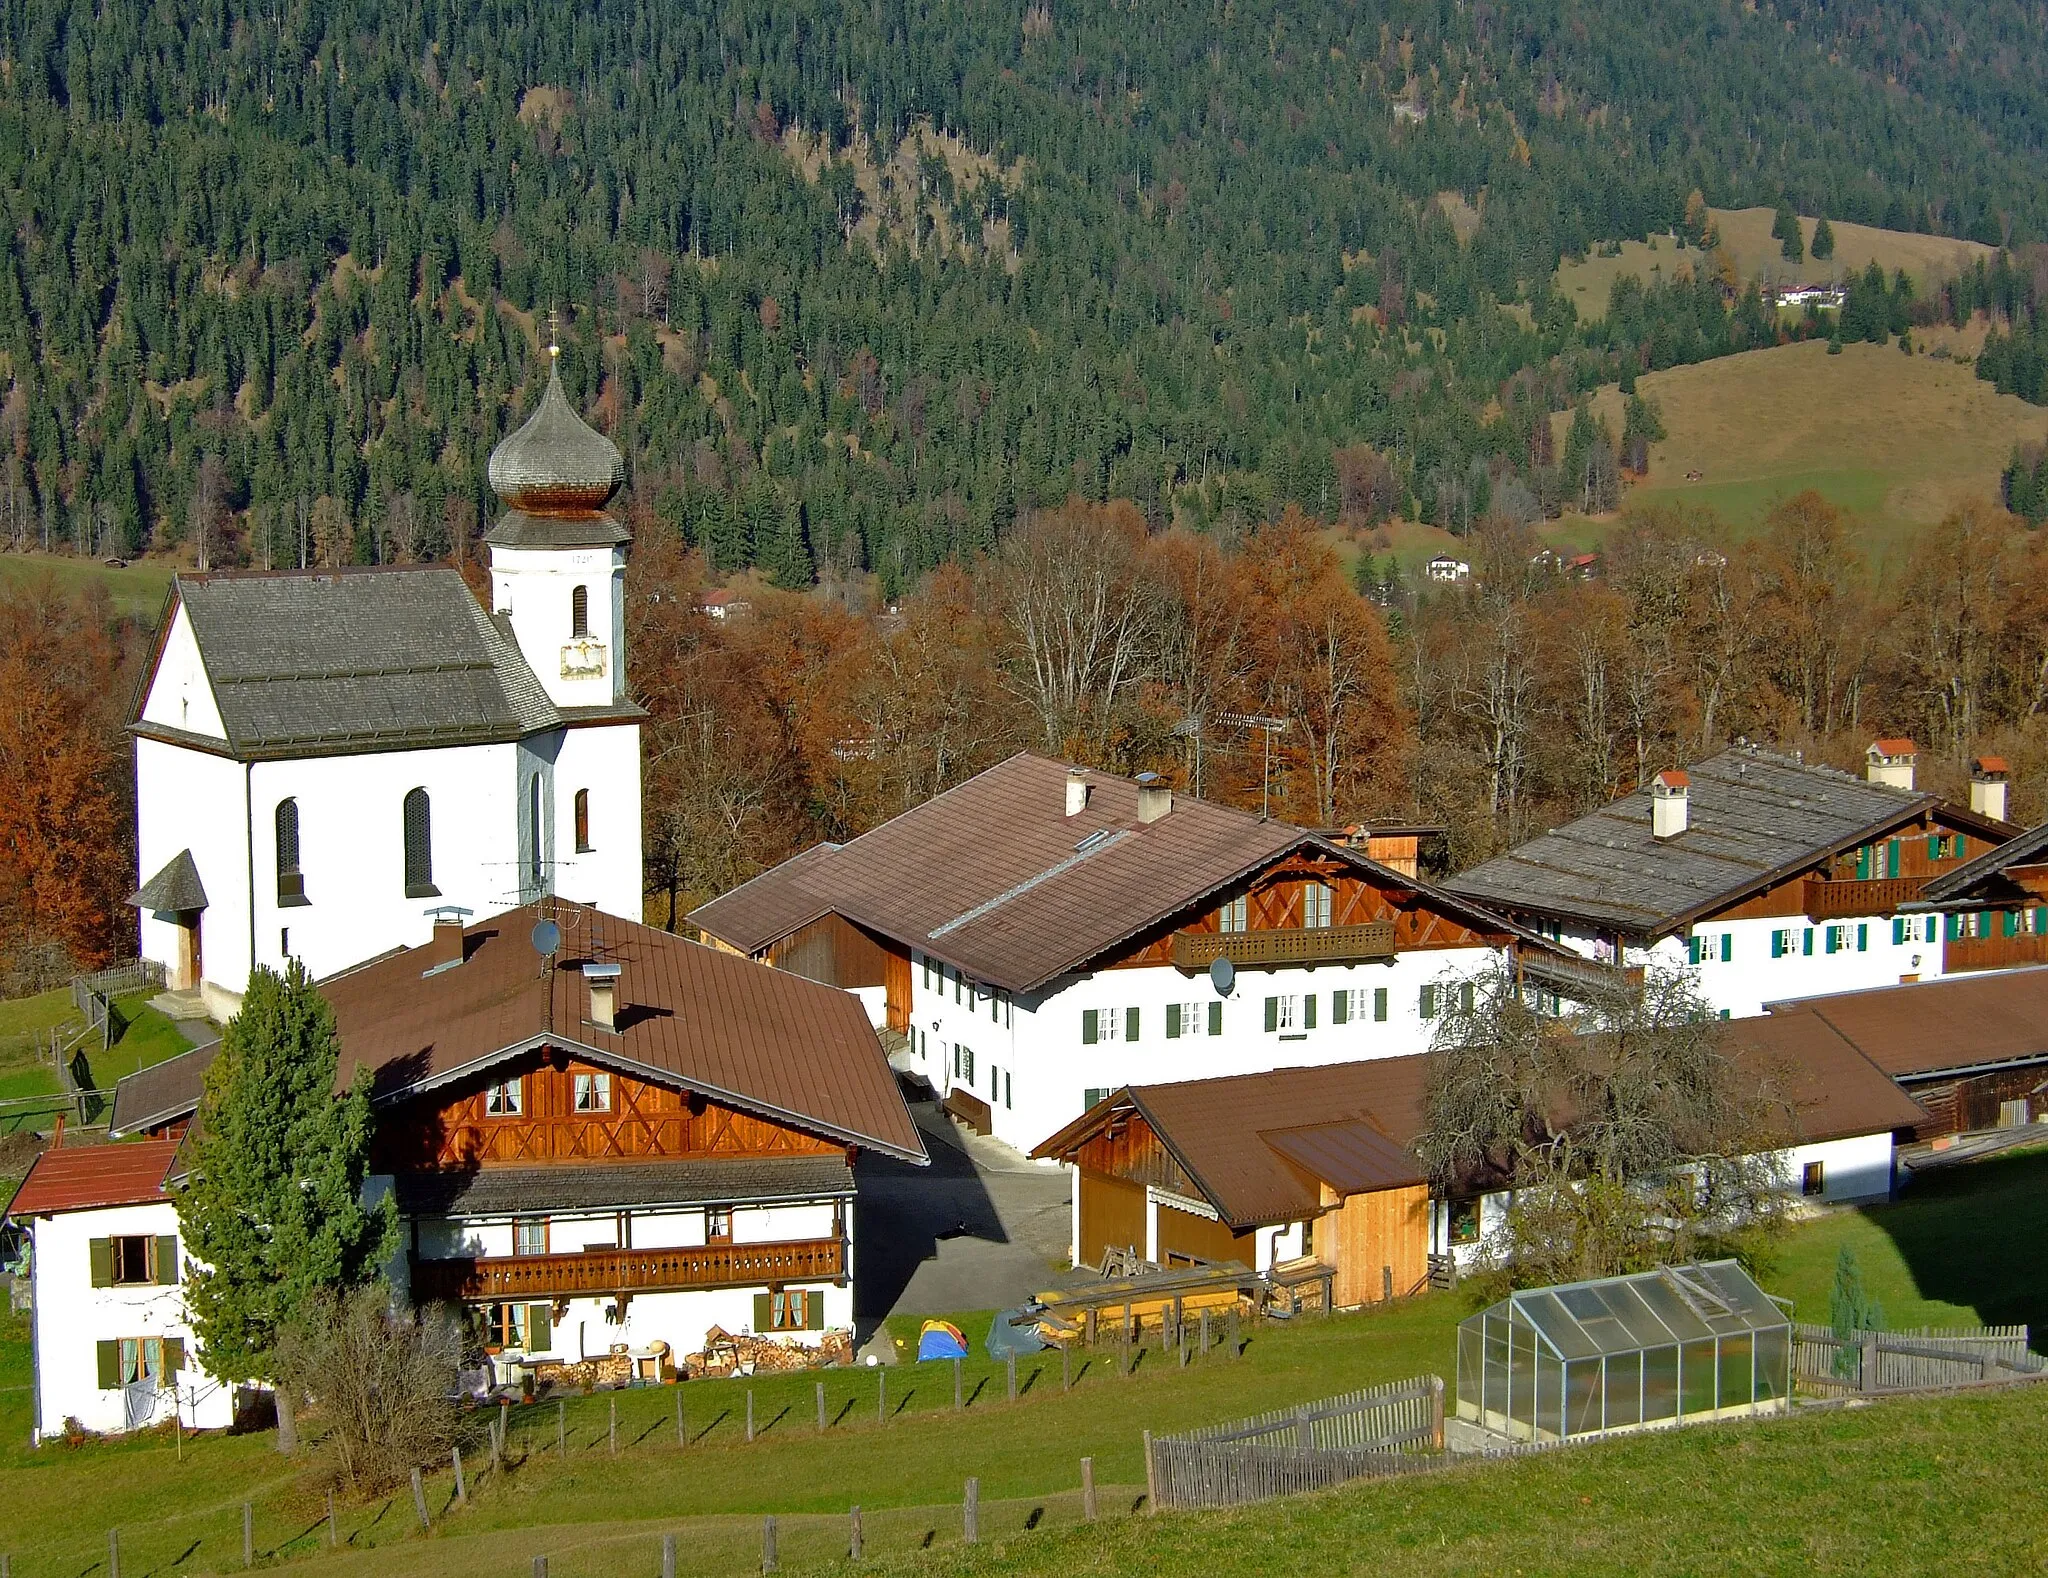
(419, 847)
(582, 821)
(536, 856)
(291, 882)
(579, 612)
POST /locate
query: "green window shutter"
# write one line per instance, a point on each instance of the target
(102, 1250)
(1863, 936)
(1173, 1021)
(1863, 863)
(1831, 939)
(1806, 945)
(1465, 998)
(764, 1320)
(1379, 1004)
(1428, 1002)
(1933, 847)
(1952, 927)
(1728, 947)
(1130, 1024)
(1308, 1012)
(109, 1359)
(1340, 1008)
(1272, 1015)
(2040, 922)
(1898, 932)
(540, 1332)
(1692, 950)
(1216, 1019)
(1962, 846)
(1777, 945)
(1892, 852)
(1091, 1026)
(2009, 923)
(167, 1260)
(174, 1358)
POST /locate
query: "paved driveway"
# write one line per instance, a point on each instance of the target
(981, 1228)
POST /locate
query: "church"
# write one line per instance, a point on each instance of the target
(327, 760)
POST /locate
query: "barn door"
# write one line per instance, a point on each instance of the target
(896, 991)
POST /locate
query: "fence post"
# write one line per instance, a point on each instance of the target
(614, 1430)
(1868, 1375)
(1234, 1348)
(768, 1543)
(1010, 1376)
(504, 1432)
(562, 1430)
(1436, 1413)
(1387, 1283)
(970, 1513)
(881, 1395)
(461, 1485)
(668, 1556)
(1087, 1490)
(113, 1553)
(333, 1535)
(540, 1567)
(1304, 1431)
(852, 1537)
(1066, 1368)
(1205, 1331)
(750, 1413)
(821, 1405)
(682, 1439)
(1151, 1480)
(248, 1535)
(959, 1398)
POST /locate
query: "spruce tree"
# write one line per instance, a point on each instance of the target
(1786, 229)
(1851, 1311)
(274, 1213)
(1823, 241)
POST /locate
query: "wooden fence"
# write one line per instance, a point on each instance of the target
(1898, 1361)
(1392, 1429)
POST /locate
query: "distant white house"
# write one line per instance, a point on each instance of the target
(114, 1349)
(1444, 568)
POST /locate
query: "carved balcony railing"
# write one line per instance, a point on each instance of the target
(1197, 950)
(1582, 980)
(1827, 900)
(629, 1270)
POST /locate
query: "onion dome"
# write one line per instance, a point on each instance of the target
(557, 464)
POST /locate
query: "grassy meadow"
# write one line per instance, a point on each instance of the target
(137, 590)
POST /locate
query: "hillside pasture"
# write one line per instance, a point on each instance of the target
(137, 590)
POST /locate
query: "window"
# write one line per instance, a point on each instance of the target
(530, 1235)
(963, 1064)
(536, 858)
(792, 1309)
(1183, 1019)
(1006, 1088)
(1464, 1221)
(579, 612)
(582, 821)
(1093, 1097)
(1781, 943)
(1315, 905)
(134, 1260)
(1837, 939)
(505, 1101)
(291, 882)
(150, 1361)
(718, 1225)
(525, 1328)
(593, 1093)
(1813, 1179)
(1232, 916)
(1428, 1002)
(1899, 930)
(1108, 1024)
(419, 847)
(1289, 1015)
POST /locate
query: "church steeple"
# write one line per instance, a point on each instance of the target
(556, 464)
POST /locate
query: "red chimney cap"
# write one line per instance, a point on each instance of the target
(1991, 764)
(1894, 747)
(1674, 778)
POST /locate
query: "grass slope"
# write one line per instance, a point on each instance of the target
(136, 590)
(1897, 440)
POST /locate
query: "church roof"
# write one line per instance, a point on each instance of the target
(175, 888)
(331, 661)
(556, 462)
(594, 529)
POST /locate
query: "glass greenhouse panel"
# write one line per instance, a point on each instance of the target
(1624, 1390)
(1738, 1385)
(1696, 1378)
(1583, 1396)
(1660, 1384)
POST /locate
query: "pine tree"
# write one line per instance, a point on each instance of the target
(1823, 241)
(274, 1213)
(1786, 229)
(1851, 1311)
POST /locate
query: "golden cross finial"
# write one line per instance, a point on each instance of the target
(554, 334)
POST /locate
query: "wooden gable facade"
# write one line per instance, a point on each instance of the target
(619, 1119)
(1873, 878)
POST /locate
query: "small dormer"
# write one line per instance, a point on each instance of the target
(558, 559)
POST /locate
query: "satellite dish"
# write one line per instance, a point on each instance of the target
(1222, 975)
(547, 937)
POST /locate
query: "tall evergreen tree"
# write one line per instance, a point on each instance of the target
(274, 1213)
(1823, 240)
(1786, 229)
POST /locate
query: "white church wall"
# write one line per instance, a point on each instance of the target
(534, 587)
(191, 799)
(605, 761)
(182, 695)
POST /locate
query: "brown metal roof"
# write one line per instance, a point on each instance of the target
(690, 1016)
(92, 1177)
(1350, 1155)
(161, 1093)
(1933, 1027)
(997, 880)
(1835, 1090)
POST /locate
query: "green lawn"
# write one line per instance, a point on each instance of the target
(137, 590)
(146, 1037)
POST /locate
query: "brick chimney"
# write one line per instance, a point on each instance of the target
(1077, 790)
(445, 952)
(1155, 799)
(1988, 778)
(1890, 762)
(603, 980)
(1670, 810)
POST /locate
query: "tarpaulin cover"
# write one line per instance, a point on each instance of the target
(1007, 1341)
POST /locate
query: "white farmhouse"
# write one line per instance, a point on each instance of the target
(113, 1348)
(1040, 935)
(1770, 877)
(325, 757)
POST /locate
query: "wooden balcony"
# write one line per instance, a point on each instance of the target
(1197, 950)
(629, 1270)
(1582, 980)
(1993, 953)
(1827, 900)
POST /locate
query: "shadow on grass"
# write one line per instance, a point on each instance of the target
(1971, 1235)
(723, 1415)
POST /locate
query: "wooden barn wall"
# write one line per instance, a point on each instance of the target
(1274, 903)
(1957, 1106)
(1112, 1215)
(1128, 1149)
(450, 1129)
(1368, 1233)
(833, 950)
(1788, 898)
(1187, 1236)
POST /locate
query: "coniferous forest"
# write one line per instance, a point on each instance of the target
(855, 285)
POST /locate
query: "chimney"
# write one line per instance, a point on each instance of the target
(1154, 798)
(604, 994)
(1890, 762)
(1669, 810)
(1077, 790)
(445, 952)
(1988, 775)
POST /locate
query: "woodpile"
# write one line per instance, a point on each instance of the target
(726, 1353)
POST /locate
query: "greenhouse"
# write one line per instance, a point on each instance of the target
(1621, 1353)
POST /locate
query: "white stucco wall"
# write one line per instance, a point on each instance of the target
(182, 695)
(72, 1317)
(1034, 1070)
(534, 586)
(190, 799)
(606, 762)
(1853, 1169)
(587, 1331)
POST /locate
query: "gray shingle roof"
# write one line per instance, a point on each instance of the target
(161, 1093)
(1754, 817)
(587, 530)
(1979, 880)
(509, 1191)
(175, 888)
(312, 662)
